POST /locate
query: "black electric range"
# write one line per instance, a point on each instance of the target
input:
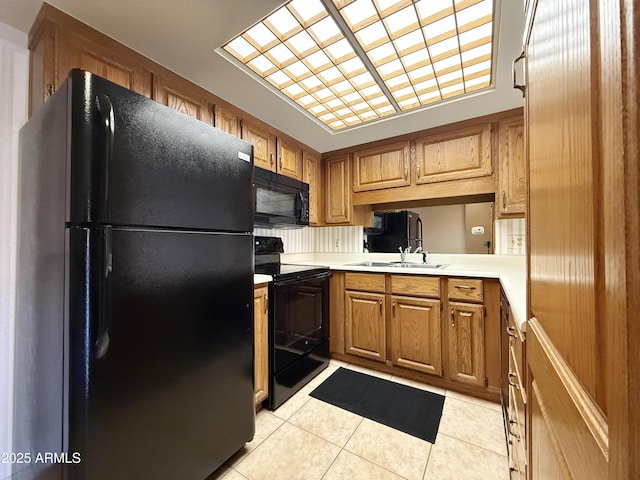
(298, 320)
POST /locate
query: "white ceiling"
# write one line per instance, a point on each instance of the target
(183, 35)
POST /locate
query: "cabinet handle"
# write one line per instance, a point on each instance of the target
(281, 155)
(522, 88)
(511, 331)
(515, 385)
(465, 287)
(271, 159)
(417, 171)
(504, 200)
(453, 318)
(266, 303)
(393, 309)
(380, 304)
(406, 171)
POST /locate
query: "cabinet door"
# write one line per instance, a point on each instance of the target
(264, 145)
(511, 167)
(289, 159)
(75, 51)
(260, 344)
(337, 190)
(381, 167)
(313, 176)
(226, 121)
(416, 334)
(180, 95)
(365, 333)
(466, 343)
(455, 155)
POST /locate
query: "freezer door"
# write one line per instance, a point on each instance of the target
(160, 352)
(136, 162)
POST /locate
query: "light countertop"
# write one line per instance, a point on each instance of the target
(259, 278)
(509, 269)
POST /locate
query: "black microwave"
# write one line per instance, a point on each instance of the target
(280, 201)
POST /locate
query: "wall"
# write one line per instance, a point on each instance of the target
(14, 71)
(442, 228)
(510, 236)
(317, 239)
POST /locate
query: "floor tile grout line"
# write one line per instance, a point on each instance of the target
(472, 444)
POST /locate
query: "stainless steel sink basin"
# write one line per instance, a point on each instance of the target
(397, 264)
(369, 264)
(417, 265)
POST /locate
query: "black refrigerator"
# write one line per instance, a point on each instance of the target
(135, 290)
(399, 229)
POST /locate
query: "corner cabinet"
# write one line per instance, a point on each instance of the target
(454, 155)
(260, 343)
(512, 188)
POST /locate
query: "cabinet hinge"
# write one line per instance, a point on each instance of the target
(485, 311)
(441, 306)
(486, 381)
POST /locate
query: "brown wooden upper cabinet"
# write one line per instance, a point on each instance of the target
(456, 155)
(226, 121)
(512, 191)
(385, 166)
(289, 159)
(313, 176)
(182, 96)
(337, 190)
(55, 50)
(264, 145)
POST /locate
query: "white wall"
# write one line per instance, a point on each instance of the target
(443, 228)
(14, 71)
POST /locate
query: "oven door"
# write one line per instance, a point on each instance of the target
(300, 318)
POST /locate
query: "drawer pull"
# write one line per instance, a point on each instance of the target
(511, 331)
(465, 287)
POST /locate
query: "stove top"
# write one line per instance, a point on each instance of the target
(267, 262)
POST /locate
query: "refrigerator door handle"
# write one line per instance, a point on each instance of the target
(105, 109)
(104, 324)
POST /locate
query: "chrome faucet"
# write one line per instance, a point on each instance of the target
(403, 253)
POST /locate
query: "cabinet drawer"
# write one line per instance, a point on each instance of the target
(415, 285)
(465, 289)
(368, 282)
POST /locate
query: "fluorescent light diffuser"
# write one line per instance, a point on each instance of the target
(347, 62)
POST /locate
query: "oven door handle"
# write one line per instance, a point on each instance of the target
(302, 279)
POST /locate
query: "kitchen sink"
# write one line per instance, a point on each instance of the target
(397, 264)
(369, 264)
(417, 265)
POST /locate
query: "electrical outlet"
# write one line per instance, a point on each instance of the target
(516, 241)
(336, 244)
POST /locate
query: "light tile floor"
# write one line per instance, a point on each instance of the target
(308, 439)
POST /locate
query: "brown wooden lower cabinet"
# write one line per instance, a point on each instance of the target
(416, 337)
(365, 325)
(260, 345)
(399, 324)
(466, 343)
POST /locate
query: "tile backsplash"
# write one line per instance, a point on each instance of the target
(317, 239)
